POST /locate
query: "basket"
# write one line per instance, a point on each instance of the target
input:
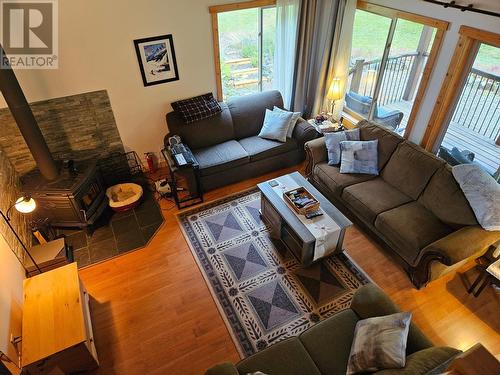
(287, 195)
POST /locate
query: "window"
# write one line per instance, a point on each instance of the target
(465, 124)
(390, 57)
(244, 40)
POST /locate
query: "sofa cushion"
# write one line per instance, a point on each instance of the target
(248, 111)
(424, 361)
(197, 108)
(288, 357)
(335, 181)
(259, 148)
(220, 157)
(410, 228)
(276, 125)
(329, 342)
(379, 343)
(359, 157)
(203, 133)
(446, 200)
(332, 143)
(410, 168)
(370, 198)
(387, 140)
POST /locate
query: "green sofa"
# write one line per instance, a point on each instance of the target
(325, 347)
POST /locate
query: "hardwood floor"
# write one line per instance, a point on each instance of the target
(153, 314)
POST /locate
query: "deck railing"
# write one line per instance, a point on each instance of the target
(478, 108)
(400, 81)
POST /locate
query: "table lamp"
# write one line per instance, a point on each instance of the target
(334, 94)
(25, 205)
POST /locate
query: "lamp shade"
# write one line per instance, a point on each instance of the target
(25, 205)
(334, 90)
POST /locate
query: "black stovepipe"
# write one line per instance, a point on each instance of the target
(25, 120)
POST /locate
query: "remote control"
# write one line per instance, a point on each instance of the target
(310, 215)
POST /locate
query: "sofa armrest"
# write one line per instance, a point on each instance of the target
(370, 301)
(433, 360)
(315, 153)
(467, 242)
(303, 132)
(223, 369)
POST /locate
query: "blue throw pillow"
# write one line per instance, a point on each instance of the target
(359, 157)
(332, 142)
(276, 125)
(293, 121)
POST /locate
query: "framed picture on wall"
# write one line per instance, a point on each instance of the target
(157, 61)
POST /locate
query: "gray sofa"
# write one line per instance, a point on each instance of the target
(227, 147)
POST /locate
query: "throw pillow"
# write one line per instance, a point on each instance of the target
(332, 142)
(379, 343)
(275, 125)
(482, 192)
(359, 157)
(293, 121)
(197, 108)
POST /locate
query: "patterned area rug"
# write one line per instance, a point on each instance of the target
(262, 292)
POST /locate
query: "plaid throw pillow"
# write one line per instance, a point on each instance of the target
(379, 343)
(197, 108)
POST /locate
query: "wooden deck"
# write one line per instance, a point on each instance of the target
(487, 153)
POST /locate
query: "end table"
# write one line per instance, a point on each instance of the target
(192, 173)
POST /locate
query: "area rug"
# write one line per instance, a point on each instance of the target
(264, 295)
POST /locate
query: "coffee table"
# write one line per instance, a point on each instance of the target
(309, 240)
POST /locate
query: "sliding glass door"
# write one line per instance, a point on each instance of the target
(472, 132)
(388, 60)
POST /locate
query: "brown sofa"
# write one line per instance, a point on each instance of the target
(414, 207)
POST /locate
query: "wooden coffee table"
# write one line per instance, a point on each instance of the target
(293, 229)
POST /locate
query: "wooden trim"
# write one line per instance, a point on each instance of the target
(460, 62)
(424, 82)
(395, 13)
(239, 6)
(481, 35)
(215, 39)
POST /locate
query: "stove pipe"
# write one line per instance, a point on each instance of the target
(21, 111)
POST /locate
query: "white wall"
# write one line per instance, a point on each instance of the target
(456, 19)
(97, 52)
(11, 298)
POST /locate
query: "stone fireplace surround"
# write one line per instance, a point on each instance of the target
(75, 127)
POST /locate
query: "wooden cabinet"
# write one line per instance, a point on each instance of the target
(57, 335)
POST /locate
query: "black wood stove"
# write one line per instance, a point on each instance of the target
(76, 198)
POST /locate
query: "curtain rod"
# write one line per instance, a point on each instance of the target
(463, 8)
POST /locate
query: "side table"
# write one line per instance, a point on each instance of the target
(489, 274)
(190, 172)
(332, 127)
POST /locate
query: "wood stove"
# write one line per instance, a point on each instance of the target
(76, 198)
